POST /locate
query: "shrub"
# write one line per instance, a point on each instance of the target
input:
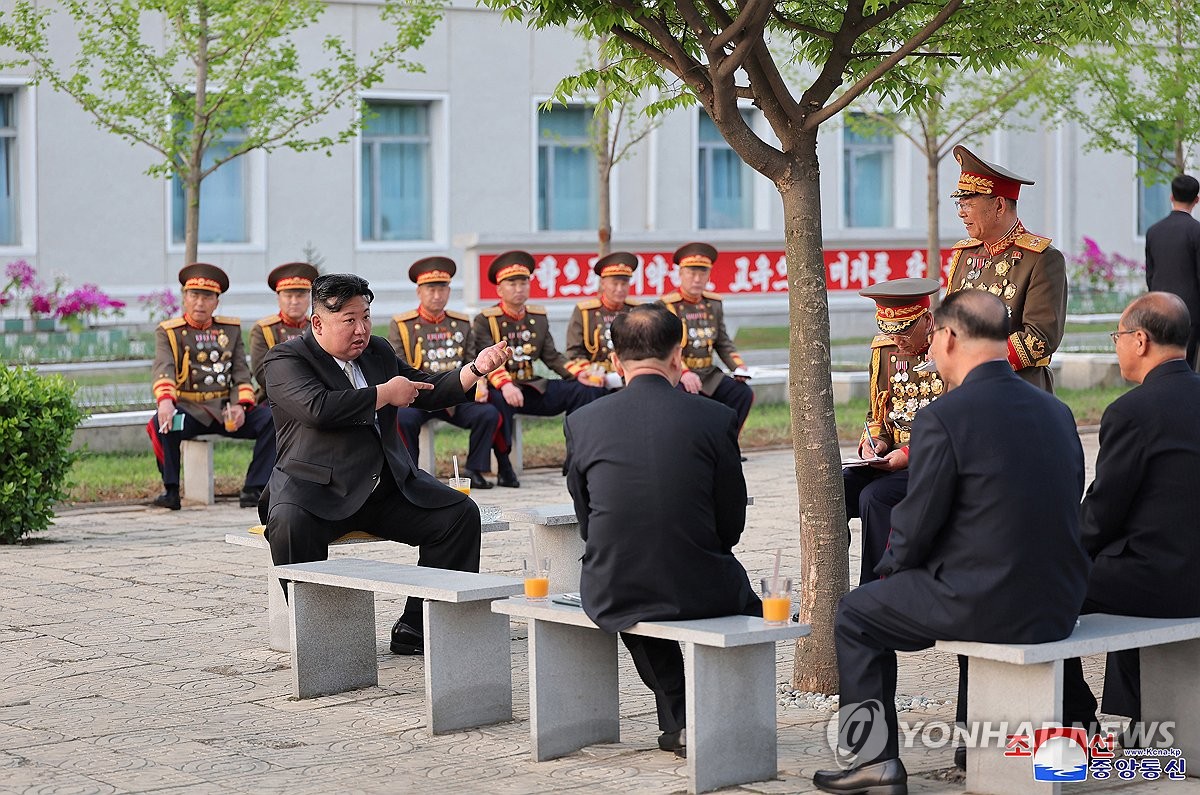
(37, 421)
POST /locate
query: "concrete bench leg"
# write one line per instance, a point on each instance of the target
(562, 544)
(1000, 692)
(468, 666)
(279, 624)
(731, 724)
(1171, 692)
(573, 699)
(197, 459)
(333, 639)
(427, 453)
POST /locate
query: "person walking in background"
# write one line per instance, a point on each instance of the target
(1173, 257)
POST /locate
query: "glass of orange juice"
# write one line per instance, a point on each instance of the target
(461, 484)
(776, 600)
(227, 416)
(537, 579)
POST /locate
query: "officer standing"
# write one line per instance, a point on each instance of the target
(704, 334)
(1021, 269)
(589, 334)
(898, 390)
(515, 389)
(436, 340)
(292, 284)
(200, 369)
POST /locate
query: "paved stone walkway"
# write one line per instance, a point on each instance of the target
(133, 657)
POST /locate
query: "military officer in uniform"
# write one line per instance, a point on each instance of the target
(436, 340)
(514, 388)
(589, 335)
(292, 284)
(898, 390)
(200, 369)
(704, 334)
(1022, 269)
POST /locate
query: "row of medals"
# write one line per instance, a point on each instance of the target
(909, 396)
(440, 359)
(213, 364)
(975, 267)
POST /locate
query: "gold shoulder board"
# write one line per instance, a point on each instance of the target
(591, 303)
(455, 315)
(881, 341)
(493, 311)
(672, 298)
(970, 242)
(1032, 242)
(535, 309)
(174, 322)
(409, 315)
(227, 321)
(711, 295)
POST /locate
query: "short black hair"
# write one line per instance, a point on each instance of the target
(332, 290)
(1163, 316)
(647, 331)
(974, 314)
(1185, 189)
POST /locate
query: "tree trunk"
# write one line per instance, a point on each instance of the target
(823, 558)
(603, 152)
(933, 242)
(193, 177)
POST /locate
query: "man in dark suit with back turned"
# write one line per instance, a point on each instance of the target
(1173, 256)
(1138, 516)
(341, 465)
(984, 547)
(661, 503)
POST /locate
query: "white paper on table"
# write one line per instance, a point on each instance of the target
(855, 461)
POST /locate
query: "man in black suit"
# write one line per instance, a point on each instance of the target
(984, 547)
(661, 503)
(1173, 256)
(1138, 516)
(341, 465)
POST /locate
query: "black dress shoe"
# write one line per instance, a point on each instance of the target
(508, 480)
(879, 778)
(168, 499)
(960, 757)
(675, 742)
(406, 640)
(250, 496)
(478, 481)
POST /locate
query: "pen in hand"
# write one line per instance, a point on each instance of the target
(870, 441)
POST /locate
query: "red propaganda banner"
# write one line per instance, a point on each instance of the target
(570, 275)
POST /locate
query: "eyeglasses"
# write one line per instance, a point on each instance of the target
(936, 329)
(1117, 334)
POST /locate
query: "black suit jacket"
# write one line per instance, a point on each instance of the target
(1139, 515)
(657, 481)
(1173, 259)
(330, 450)
(986, 546)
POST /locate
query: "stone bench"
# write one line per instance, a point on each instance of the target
(428, 456)
(1022, 683)
(468, 650)
(556, 534)
(278, 629)
(730, 675)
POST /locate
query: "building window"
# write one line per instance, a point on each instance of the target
(725, 182)
(1153, 195)
(224, 195)
(10, 233)
(397, 167)
(567, 176)
(867, 178)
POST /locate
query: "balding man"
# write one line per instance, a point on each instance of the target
(974, 544)
(1138, 516)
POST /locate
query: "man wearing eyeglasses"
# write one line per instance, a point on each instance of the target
(1021, 269)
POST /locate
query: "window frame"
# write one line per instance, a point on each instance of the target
(587, 104)
(751, 116)
(844, 174)
(25, 112)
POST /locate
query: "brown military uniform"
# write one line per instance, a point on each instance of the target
(703, 335)
(898, 392)
(589, 334)
(434, 346)
(1029, 275)
(530, 340)
(266, 334)
(201, 369)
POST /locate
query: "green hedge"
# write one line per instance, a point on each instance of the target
(37, 420)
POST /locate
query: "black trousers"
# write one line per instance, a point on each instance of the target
(1122, 681)
(483, 420)
(870, 495)
(258, 426)
(448, 537)
(659, 663)
(733, 393)
(560, 397)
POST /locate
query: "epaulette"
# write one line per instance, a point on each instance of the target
(458, 316)
(269, 320)
(711, 295)
(632, 302)
(1030, 242)
(970, 242)
(409, 315)
(672, 298)
(591, 303)
(881, 341)
(174, 322)
(535, 309)
(227, 321)
(493, 311)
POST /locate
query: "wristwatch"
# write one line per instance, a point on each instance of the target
(476, 371)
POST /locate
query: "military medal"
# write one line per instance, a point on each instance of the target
(223, 339)
(202, 356)
(1009, 292)
(1002, 267)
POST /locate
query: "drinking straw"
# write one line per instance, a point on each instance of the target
(775, 575)
(533, 547)
(456, 467)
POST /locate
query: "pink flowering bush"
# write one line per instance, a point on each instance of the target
(21, 284)
(87, 303)
(1102, 282)
(161, 305)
